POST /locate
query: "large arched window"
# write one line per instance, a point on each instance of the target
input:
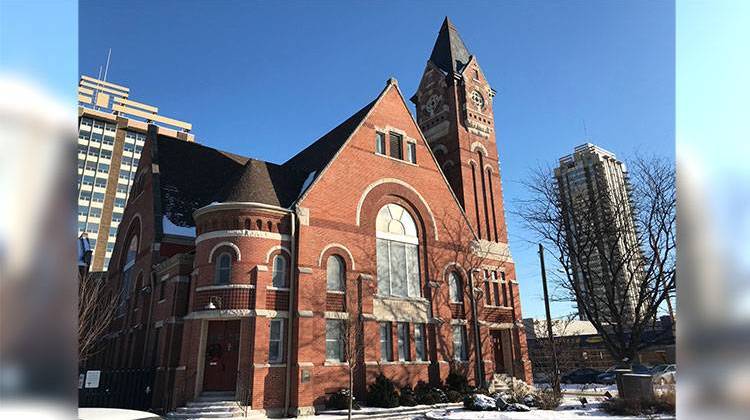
(335, 273)
(279, 275)
(127, 274)
(223, 268)
(397, 244)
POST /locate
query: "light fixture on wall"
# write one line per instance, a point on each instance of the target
(210, 305)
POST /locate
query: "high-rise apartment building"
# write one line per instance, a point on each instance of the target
(598, 218)
(111, 135)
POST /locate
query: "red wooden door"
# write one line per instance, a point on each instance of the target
(222, 354)
(497, 345)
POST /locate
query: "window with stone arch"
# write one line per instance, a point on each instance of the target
(335, 274)
(397, 252)
(127, 274)
(223, 268)
(455, 287)
(279, 276)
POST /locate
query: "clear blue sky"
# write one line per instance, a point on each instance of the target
(265, 79)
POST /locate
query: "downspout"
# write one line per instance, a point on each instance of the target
(150, 312)
(512, 332)
(477, 341)
(292, 313)
(169, 370)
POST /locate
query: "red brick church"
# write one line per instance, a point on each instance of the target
(238, 275)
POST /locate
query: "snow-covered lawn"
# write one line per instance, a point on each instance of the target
(599, 389)
(570, 409)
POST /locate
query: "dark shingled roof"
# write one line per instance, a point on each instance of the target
(317, 155)
(449, 53)
(263, 182)
(193, 175)
(190, 175)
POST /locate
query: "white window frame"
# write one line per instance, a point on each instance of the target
(280, 340)
(219, 269)
(411, 245)
(386, 341)
(380, 142)
(411, 152)
(283, 274)
(460, 352)
(341, 286)
(337, 341)
(402, 335)
(455, 287)
(420, 345)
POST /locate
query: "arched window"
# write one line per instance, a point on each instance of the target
(127, 274)
(223, 268)
(336, 271)
(397, 244)
(279, 275)
(455, 287)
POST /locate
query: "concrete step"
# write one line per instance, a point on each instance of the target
(208, 415)
(199, 404)
(214, 398)
(209, 409)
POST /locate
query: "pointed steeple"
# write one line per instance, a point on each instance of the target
(449, 53)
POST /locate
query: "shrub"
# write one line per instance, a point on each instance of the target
(429, 395)
(548, 399)
(407, 397)
(340, 401)
(454, 396)
(517, 390)
(382, 393)
(457, 382)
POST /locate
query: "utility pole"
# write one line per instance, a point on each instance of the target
(556, 372)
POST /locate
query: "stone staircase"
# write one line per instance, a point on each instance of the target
(212, 405)
(500, 382)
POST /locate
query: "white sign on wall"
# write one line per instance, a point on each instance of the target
(92, 378)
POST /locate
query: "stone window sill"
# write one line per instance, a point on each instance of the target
(396, 159)
(402, 362)
(278, 289)
(406, 298)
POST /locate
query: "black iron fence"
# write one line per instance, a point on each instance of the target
(119, 388)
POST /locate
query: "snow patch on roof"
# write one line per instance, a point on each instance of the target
(310, 178)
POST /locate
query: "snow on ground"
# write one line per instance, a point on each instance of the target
(571, 408)
(589, 388)
(582, 388)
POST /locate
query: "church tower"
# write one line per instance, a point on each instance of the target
(454, 111)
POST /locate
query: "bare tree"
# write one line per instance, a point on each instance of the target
(473, 255)
(566, 344)
(351, 335)
(96, 310)
(617, 248)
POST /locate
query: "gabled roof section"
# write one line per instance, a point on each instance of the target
(314, 158)
(193, 176)
(449, 53)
